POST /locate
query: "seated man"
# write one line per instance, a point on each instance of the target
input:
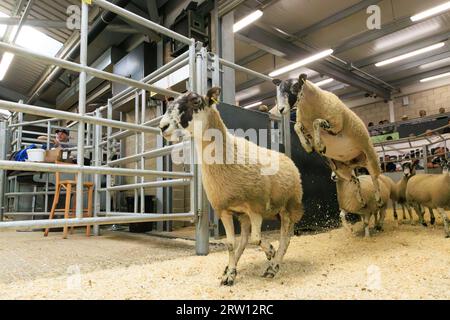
(61, 141)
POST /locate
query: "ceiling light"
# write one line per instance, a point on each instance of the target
(410, 54)
(324, 82)
(302, 63)
(241, 24)
(431, 12)
(444, 75)
(437, 63)
(5, 63)
(253, 105)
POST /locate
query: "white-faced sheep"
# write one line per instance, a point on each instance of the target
(326, 125)
(349, 204)
(239, 187)
(409, 170)
(432, 191)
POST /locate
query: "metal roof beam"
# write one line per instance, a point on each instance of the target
(336, 17)
(420, 76)
(402, 50)
(292, 52)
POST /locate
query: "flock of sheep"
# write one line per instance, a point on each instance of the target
(325, 125)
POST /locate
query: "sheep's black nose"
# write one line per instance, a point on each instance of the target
(164, 128)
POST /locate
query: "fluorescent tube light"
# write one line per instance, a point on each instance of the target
(253, 105)
(444, 75)
(410, 54)
(431, 12)
(302, 63)
(324, 82)
(241, 24)
(5, 64)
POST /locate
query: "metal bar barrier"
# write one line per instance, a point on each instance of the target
(146, 185)
(245, 70)
(8, 105)
(29, 54)
(49, 167)
(76, 222)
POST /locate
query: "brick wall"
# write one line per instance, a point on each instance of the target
(429, 100)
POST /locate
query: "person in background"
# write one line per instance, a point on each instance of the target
(422, 113)
(441, 110)
(62, 139)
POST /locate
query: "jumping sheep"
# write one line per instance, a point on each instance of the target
(239, 188)
(348, 203)
(326, 125)
(432, 191)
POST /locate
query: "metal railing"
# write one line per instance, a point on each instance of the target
(140, 88)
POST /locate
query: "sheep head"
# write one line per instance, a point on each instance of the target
(445, 164)
(181, 112)
(409, 168)
(287, 93)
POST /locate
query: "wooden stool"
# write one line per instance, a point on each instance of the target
(70, 186)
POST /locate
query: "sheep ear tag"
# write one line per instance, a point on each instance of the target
(213, 96)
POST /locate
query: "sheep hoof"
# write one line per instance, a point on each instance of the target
(447, 236)
(271, 253)
(271, 271)
(229, 276)
(424, 224)
(432, 221)
(379, 228)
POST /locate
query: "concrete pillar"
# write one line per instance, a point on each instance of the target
(391, 111)
(227, 53)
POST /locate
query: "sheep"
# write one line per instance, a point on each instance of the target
(409, 170)
(432, 191)
(326, 125)
(240, 187)
(392, 189)
(347, 202)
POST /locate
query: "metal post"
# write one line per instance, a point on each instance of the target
(3, 144)
(143, 108)
(201, 205)
(136, 147)
(108, 158)
(82, 105)
(97, 178)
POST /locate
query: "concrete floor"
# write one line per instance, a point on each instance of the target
(408, 262)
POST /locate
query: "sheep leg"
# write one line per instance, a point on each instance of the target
(411, 217)
(255, 239)
(245, 233)
(374, 170)
(366, 220)
(359, 196)
(344, 221)
(286, 232)
(432, 217)
(380, 222)
(445, 219)
(319, 124)
(394, 207)
(420, 213)
(404, 212)
(229, 275)
(306, 144)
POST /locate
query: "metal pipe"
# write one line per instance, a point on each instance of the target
(30, 123)
(127, 133)
(29, 109)
(50, 167)
(142, 21)
(149, 154)
(58, 223)
(245, 70)
(29, 54)
(147, 185)
(125, 93)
